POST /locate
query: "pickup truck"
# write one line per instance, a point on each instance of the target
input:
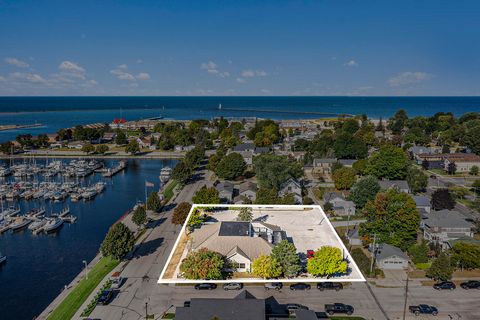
(338, 308)
(423, 309)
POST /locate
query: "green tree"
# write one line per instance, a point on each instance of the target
(326, 261)
(206, 196)
(245, 214)
(389, 162)
(132, 147)
(231, 166)
(180, 213)
(347, 146)
(196, 219)
(398, 121)
(121, 138)
(153, 202)
(419, 252)
(364, 190)
(472, 135)
(266, 267)
(203, 265)
(286, 254)
(182, 172)
(360, 166)
(273, 170)
(213, 161)
(266, 196)
(417, 180)
(474, 171)
(118, 242)
(465, 255)
(442, 199)
(393, 217)
(101, 149)
(440, 270)
(139, 216)
(344, 178)
(451, 168)
(6, 147)
(88, 148)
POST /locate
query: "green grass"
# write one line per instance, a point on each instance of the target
(423, 266)
(69, 306)
(168, 192)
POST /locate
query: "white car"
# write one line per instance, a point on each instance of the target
(117, 282)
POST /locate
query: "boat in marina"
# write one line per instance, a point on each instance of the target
(35, 213)
(19, 223)
(69, 218)
(165, 174)
(75, 196)
(89, 194)
(2, 258)
(10, 211)
(52, 224)
(4, 226)
(64, 212)
(35, 225)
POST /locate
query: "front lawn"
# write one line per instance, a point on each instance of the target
(69, 306)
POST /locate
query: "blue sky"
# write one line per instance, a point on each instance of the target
(245, 47)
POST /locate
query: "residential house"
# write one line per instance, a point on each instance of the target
(347, 162)
(434, 160)
(243, 306)
(146, 143)
(225, 191)
(423, 204)
(108, 137)
(400, 185)
(443, 226)
(341, 206)
(244, 147)
(323, 166)
(291, 186)
(247, 190)
(463, 161)
(236, 240)
(389, 257)
(180, 148)
(353, 237)
(417, 150)
(76, 145)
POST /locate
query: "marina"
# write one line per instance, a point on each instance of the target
(45, 258)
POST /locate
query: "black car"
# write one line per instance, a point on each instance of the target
(300, 286)
(329, 286)
(105, 297)
(186, 304)
(205, 286)
(338, 308)
(472, 284)
(445, 285)
(423, 309)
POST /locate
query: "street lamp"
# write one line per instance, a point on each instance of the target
(86, 269)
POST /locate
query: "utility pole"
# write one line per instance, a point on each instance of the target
(406, 296)
(86, 269)
(374, 251)
(146, 308)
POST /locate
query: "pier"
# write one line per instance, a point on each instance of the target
(288, 112)
(19, 126)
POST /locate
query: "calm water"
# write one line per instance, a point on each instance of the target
(39, 266)
(61, 112)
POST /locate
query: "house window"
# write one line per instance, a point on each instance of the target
(240, 265)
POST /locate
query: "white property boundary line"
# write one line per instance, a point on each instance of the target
(248, 280)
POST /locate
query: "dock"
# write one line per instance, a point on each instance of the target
(19, 126)
(110, 172)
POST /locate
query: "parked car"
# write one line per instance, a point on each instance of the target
(310, 254)
(233, 286)
(423, 309)
(105, 297)
(273, 285)
(338, 308)
(444, 285)
(300, 286)
(292, 307)
(472, 284)
(117, 282)
(205, 286)
(186, 303)
(329, 286)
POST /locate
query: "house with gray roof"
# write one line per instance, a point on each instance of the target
(443, 226)
(353, 237)
(400, 185)
(239, 241)
(423, 204)
(291, 186)
(243, 306)
(248, 190)
(242, 147)
(347, 162)
(389, 257)
(225, 191)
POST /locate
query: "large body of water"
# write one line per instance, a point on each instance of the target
(39, 266)
(60, 112)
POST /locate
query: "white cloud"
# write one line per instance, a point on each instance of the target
(139, 61)
(72, 69)
(212, 68)
(17, 63)
(249, 73)
(123, 66)
(29, 77)
(241, 80)
(265, 91)
(143, 76)
(2, 79)
(351, 63)
(408, 78)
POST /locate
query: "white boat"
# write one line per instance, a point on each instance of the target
(75, 196)
(70, 218)
(52, 225)
(19, 224)
(165, 174)
(10, 211)
(64, 212)
(2, 258)
(37, 224)
(100, 186)
(36, 213)
(89, 194)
